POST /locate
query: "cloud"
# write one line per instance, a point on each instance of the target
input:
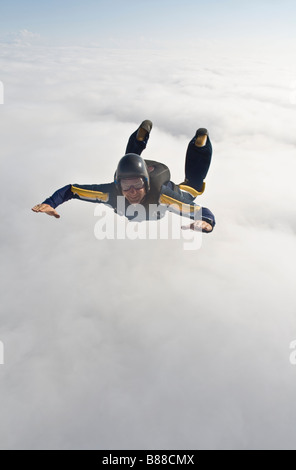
(25, 34)
(22, 37)
(183, 349)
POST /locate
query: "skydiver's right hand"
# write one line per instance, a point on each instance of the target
(47, 209)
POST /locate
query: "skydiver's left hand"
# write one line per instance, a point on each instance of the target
(198, 226)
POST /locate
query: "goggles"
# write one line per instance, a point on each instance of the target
(128, 183)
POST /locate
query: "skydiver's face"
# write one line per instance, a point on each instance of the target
(133, 189)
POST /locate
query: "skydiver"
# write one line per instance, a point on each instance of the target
(147, 182)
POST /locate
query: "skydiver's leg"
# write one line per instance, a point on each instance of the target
(139, 139)
(198, 159)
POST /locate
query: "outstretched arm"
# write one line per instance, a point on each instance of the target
(91, 193)
(183, 204)
(48, 206)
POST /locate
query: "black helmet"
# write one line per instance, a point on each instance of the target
(132, 166)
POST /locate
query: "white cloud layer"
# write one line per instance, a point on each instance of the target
(140, 344)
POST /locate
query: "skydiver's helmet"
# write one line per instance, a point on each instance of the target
(131, 166)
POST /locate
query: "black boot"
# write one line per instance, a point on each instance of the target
(201, 137)
(144, 128)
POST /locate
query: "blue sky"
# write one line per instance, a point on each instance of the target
(171, 21)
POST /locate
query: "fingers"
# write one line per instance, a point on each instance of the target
(188, 227)
(198, 225)
(47, 209)
(40, 207)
